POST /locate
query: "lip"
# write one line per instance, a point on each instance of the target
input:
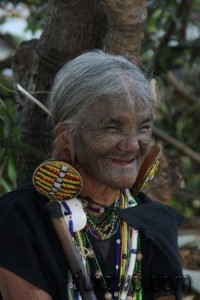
(122, 162)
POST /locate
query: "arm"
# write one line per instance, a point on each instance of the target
(13, 287)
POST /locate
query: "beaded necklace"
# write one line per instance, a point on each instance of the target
(127, 279)
(104, 229)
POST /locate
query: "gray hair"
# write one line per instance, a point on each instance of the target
(91, 77)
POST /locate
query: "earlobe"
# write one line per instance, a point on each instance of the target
(60, 128)
(64, 144)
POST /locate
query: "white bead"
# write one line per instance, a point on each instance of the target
(108, 296)
(98, 274)
(139, 257)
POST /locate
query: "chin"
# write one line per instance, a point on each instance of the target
(122, 184)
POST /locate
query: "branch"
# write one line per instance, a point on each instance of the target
(178, 145)
(7, 144)
(190, 223)
(9, 40)
(6, 63)
(187, 198)
(181, 89)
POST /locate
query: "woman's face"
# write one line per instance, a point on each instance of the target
(112, 143)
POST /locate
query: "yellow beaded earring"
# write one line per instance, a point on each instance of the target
(57, 180)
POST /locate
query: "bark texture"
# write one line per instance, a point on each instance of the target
(126, 21)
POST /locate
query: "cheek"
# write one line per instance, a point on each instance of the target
(145, 143)
(89, 149)
(101, 144)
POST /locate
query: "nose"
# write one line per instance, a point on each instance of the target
(129, 143)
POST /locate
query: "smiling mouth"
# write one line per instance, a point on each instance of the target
(122, 162)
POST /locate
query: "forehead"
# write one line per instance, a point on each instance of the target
(105, 110)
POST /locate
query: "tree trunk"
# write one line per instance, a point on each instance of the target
(126, 21)
(70, 28)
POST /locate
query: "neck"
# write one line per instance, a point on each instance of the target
(99, 192)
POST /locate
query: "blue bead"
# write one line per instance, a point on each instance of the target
(133, 251)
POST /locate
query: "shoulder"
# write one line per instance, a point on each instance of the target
(23, 198)
(17, 193)
(162, 212)
(152, 218)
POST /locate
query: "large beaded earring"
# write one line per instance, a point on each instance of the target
(57, 180)
(147, 170)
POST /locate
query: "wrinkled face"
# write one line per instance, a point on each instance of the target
(113, 141)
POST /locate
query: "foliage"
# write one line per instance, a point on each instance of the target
(171, 51)
(9, 136)
(9, 123)
(172, 37)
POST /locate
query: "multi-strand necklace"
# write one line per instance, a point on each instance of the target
(127, 277)
(102, 229)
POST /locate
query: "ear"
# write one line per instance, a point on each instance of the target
(64, 146)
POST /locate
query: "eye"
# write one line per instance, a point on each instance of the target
(112, 128)
(145, 128)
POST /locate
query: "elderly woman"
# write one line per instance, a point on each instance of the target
(103, 110)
